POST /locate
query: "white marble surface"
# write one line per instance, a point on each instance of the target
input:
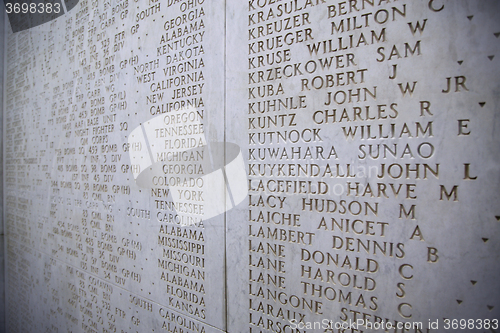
(407, 283)
(288, 216)
(89, 248)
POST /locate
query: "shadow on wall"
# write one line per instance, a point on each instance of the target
(26, 14)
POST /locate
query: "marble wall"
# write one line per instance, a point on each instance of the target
(257, 166)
